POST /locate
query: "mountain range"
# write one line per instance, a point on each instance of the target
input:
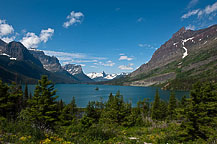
(98, 77)
(22, 65)
(187, 57)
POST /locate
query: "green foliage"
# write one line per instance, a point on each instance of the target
(156, 111)
(10, 100)
(46, 120)
(201, 113)
(68, 112)
(43, 107)
(116, 111)
(4, 99)
(172, 106)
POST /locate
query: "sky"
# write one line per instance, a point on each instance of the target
(101, 35)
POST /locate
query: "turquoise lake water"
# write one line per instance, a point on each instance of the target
(84, 93)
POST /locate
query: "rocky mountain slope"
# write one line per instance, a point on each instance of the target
(77, 72)
(189, 56)
(18, 64)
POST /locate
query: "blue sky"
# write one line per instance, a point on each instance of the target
(111, 35)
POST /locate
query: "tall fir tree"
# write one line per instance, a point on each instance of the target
(201, 113)
(26, 95)
(156, 111)
(43, 105)
(15, 100)
(116, 111)
(172, 106)
(4, 99)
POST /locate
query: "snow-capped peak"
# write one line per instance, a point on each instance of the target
(103, 76)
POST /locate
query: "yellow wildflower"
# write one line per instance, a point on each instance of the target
(23, 138)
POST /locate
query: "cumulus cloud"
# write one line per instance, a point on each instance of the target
(8, 39)
(31, 40)
(5, 29)
(108, 63)
(125, 58)
(190, 13)
(46, 34)
(190, 27)
(73, 18)
(126, 67)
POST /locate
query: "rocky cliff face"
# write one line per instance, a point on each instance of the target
(49, 63)
(181, 52)
(173, 49)
(16, 51)
(19, 65)
(76, 71)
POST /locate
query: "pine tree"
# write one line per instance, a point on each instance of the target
(116, 111)
(4, 99)
(15, 100)
(156, 110)
(183, 102)
(201, 113)
(172, 106)
(26, 95)
(43, 107)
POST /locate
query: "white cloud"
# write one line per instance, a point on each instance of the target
(65, 55)
(94, 66)
(67, 58)
(146, 45)
(108, 63)
(199, 12)
(192, 3)
(8, 39)
(31, 40)
(117, 9)
(125, 58)
(73, 18)
(140, 19)
(5, 29)
(125, 67)
(121, 54)
(210, 8)
(190, 27)
(82, 65)
(46, 34)
(190, 13)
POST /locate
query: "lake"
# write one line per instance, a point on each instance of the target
(84, 93)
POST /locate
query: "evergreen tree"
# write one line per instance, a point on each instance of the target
(68, 113)
(183, 102)
(172, 106)
(116, 111)
(43, 107)
(201, 113)
(26, 95)
(15, 100)
(4, 99)
(163, 111)
(156, 107)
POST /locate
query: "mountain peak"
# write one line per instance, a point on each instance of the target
(179, 32)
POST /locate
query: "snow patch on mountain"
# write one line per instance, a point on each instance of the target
(103, 76)
(186, 50)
